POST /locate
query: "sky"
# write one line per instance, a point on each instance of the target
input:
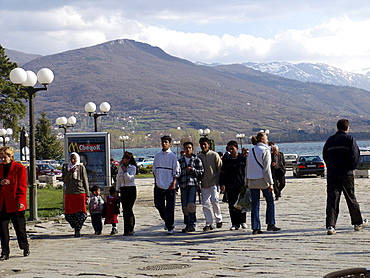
(335, 32)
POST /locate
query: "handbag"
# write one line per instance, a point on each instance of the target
(244, 201)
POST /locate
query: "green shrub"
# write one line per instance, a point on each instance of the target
(144, 170)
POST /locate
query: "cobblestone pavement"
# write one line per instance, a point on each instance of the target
(300, 249)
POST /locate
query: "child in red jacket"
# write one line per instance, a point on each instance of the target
(111, 209)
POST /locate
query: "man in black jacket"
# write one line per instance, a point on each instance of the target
(278, 171)
(232, 180)
(341, 155)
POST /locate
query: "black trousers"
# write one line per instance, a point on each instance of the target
(19, 223)
(164, 201)
(96, 221)
(279, 181)
(237, 216)
(128, 198)
(335, 187)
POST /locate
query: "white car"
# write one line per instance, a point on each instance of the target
(144, 161)
(52, 162)
(290, 159)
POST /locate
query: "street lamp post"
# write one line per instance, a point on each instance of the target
(4, 140)
(23, 144)
(177, 143)
(123, 139)
(90, 108)
(5, 135)
(204, 133)
(29, 79)
(265, 131)
(240, 137)
(62, 122)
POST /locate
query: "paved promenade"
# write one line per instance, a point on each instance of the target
(301, 249)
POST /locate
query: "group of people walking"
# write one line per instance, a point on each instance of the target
(205, 174)
(260, 170)
(77, 197)
(210, 174)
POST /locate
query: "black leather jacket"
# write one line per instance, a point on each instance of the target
(233, 171)
(341, 154)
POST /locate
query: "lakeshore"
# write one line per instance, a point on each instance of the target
(301, 249)
(300, 148)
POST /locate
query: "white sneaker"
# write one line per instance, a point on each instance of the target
(331, 231)
(234, 228)
(170, 232)
(360, 226)
(244, 226)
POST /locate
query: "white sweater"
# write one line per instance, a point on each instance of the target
(126, 178)
(165, 168)
(253, 170)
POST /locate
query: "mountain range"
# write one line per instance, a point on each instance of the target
(160, 91)
(319, 72)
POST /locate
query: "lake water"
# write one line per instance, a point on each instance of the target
(310, 148)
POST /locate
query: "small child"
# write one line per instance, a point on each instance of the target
(96, 203)
(111, 209)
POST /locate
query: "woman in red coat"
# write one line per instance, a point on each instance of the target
(13, 190)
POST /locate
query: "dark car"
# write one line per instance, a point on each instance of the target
(364, 161)
(309, 165)
(48, 169)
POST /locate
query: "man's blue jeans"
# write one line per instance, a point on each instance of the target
(188, 200)
(270, 207)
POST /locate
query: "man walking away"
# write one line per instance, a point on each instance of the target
(278, 171)
(341, 155)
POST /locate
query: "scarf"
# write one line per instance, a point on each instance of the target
(70, 165)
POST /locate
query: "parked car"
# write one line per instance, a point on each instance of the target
(309, 165)
(25, 163)
(53, 162)
(48, 169)
(364, 163)
(290, 158)
(144, 161)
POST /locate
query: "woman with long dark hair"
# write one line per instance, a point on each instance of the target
(126, 186)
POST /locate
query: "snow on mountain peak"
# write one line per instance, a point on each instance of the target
(319, 72)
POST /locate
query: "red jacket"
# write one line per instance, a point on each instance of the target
(14, 193)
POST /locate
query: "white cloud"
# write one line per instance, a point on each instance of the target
(210, 31)
(339, 42)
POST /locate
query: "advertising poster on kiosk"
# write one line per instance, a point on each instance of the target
(94, 151)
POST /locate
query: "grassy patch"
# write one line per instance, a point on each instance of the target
(49, 202)
(143, 176)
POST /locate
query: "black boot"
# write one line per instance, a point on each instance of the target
(272, 227)
(257, 232)
(77, 233)
(4, 257)
(26, 252)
